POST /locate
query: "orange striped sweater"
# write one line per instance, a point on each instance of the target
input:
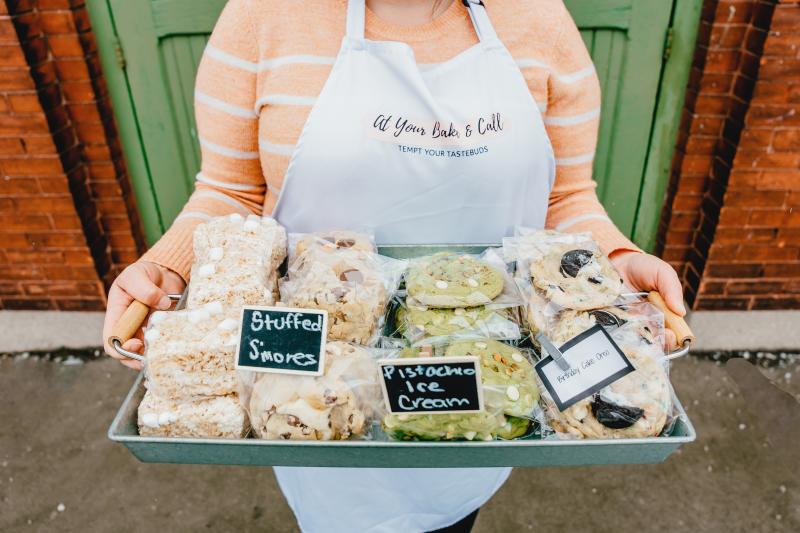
(267, 61)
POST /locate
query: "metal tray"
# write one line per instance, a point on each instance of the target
(530, 451)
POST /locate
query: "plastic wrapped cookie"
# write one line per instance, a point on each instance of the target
(416, 323)
(329, 241)
(488, 425)
(639, 318)
(637, 405)
(337, 405)
(568, 269)
(218, 416)
(353, 286)
(454, 280)
(509, 384)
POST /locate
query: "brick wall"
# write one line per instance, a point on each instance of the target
(68, 221)
(721, 231)
(754, 262)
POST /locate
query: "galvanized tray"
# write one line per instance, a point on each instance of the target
(530, 451)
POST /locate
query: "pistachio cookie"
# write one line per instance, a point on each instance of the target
(419, 322)
(451, 280)
(575, 278)
(507, 375)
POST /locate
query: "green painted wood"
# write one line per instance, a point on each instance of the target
(595, 14)
(161, 75)
(672, 92)
(163, 41)
(628, 57)
(125, 115)
(185, 17)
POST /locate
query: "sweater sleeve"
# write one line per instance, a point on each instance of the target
(230, 178)
(572, 121)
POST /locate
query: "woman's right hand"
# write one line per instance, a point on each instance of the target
(150, 284)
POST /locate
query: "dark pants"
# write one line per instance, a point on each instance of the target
(462, 526)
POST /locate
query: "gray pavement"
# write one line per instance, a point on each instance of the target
(58, 472)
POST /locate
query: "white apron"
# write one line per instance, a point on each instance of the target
(453, 152)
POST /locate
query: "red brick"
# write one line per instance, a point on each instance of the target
(768, 253)
(67, 45)
(738, 288)
(18, 186)
(767, 217)
(23, 222)
(754, 198)
(25, 103)
(726, 303)
(777, 302)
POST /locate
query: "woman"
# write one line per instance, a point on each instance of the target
(426, 120)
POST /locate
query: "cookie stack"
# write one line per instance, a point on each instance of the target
(190, 366)
(341, 272)
(455, 294)
(571, 286)
(509, 390)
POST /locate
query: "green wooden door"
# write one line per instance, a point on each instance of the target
(150, 51)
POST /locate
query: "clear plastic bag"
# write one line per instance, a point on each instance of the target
(452, 280)
(190, 375)
(638, 405)
(330, 241)
(509, 389)
(214, 417)
(567, 269)
(354, 286)
(429, 324)
(236, 261)
(191, 354)
(341, 404)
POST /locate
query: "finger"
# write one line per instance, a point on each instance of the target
(118, 302)
(671, 340)
(668, 284)
(134, 345)
(143, 286)
(133, 364)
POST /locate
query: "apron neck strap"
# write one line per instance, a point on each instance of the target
(480, 19)
(356, 11)
(477, 12)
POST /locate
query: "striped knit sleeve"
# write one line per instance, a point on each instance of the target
(572, 121)
(231, 179)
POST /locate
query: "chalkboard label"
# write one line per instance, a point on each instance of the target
(594, 361)
(424, 385)
(283, 340)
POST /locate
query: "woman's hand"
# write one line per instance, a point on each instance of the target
(644, 272)
(150, 284)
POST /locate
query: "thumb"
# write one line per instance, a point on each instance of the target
(669, 285)
(144, 286)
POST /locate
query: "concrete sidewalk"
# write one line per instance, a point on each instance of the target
(58, 472)
(715, 330)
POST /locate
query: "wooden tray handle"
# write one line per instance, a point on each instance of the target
(129, 323)
(677, 324)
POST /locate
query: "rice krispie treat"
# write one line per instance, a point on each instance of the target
(191, 354)
(348, 284)
(233, 284)
(260, 240)
(220, 416)
(334, 406)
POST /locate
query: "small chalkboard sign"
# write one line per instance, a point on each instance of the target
(283, 340)
(424, 385)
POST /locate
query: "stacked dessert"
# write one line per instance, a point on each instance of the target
(190, 366)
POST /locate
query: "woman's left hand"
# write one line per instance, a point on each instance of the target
(645, 272)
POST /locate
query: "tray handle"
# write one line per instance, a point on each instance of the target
(128, 324)
(683, 333)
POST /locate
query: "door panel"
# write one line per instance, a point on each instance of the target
(163, 40)
(626, 40)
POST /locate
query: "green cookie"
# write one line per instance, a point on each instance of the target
(420, 322)
(507, 375)
(451, 280)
